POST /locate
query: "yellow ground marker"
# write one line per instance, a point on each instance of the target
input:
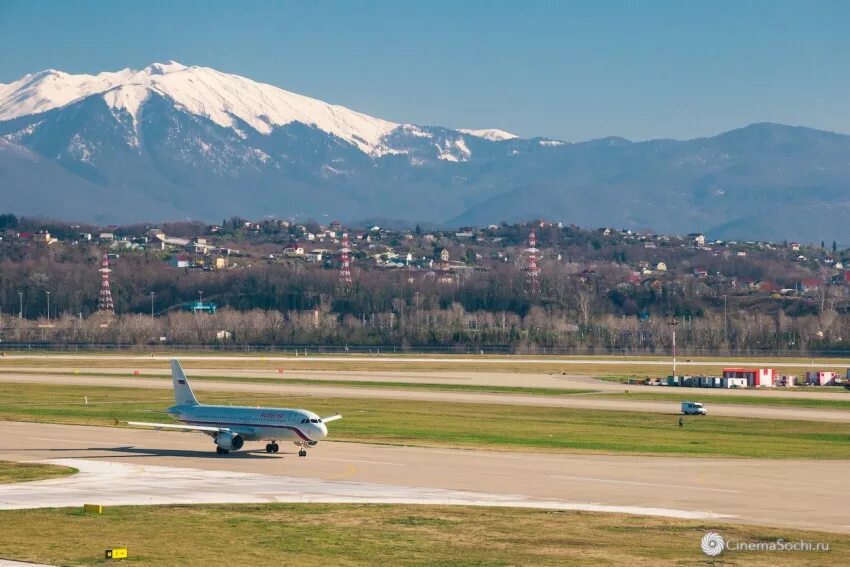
(116, 553)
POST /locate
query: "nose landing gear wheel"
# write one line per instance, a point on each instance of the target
(302, 453)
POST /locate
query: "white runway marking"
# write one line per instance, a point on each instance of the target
(638, 483)
(111, 483)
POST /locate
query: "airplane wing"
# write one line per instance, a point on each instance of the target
(331, 418)
(203, 428)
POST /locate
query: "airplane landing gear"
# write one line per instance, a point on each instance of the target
(221, 451)
(272, 448)
(302, 453)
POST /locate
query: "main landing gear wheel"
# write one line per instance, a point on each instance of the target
(302, 453)
(272, 448)
(221, 451)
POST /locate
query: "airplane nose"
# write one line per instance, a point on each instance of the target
(323, 430)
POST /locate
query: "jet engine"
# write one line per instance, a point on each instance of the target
(229, 441)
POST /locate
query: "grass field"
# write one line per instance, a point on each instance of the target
(301, 534)
(461, 425)
(673, 395)
(26, 472)
(429, 386)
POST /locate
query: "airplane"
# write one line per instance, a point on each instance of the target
(231, 426)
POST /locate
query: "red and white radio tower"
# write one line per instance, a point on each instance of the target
(345, 264)
(104, 303)
(533, 270)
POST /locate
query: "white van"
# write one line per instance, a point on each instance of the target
(692, 408)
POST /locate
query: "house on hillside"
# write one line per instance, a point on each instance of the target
(697, 239)
(293, 250)
(315, 255)
(180, 261)
(43, 237)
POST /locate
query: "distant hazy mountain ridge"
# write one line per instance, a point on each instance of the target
(171, 141)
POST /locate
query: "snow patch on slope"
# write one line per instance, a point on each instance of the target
(129, 98)
(453, 150)
(415, 131)
(492, 134)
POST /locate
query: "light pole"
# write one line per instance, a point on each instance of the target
(48, 307)
(725, 322)
(673, 324)
(21, 311)
(152, 294)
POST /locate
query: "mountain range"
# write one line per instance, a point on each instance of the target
(175, 142)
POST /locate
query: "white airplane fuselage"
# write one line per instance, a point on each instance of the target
(256, 424)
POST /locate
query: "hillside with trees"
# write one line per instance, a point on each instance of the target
(275, 283)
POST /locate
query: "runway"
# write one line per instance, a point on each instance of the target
(280, 388)
(140, 466)
(395, 359)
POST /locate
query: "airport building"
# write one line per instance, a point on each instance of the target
(755, 377)
(821, 378)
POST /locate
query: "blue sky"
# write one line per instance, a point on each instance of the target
(563, 69)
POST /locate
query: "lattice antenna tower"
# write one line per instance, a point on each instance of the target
(532, 269)
(345, 263)
(104, 303)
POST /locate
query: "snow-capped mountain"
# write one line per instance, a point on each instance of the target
(228, 100)
(171, 141)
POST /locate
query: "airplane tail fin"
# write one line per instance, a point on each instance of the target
(183, 394)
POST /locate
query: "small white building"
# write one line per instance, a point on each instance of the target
(730, 382)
